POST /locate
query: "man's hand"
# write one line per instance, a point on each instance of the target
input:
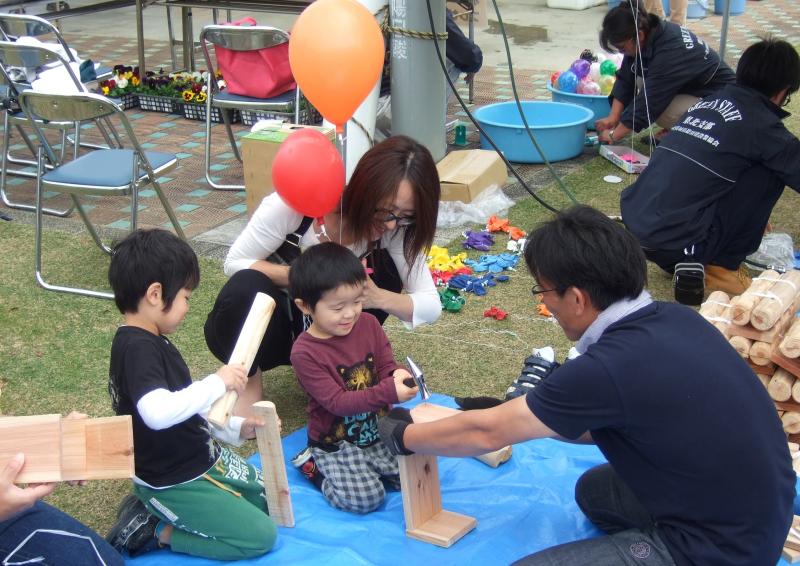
(15, 499)
(392, 427)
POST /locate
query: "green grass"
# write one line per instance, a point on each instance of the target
(55, 347)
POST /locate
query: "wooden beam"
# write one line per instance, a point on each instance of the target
(270, 449)
(59, 449)
(427, 412)
(422, 503)
(247, 345)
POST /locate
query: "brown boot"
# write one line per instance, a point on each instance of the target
(732, 282)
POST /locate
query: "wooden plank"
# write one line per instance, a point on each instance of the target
(427, 412)
(789, 364)
(244, 352)
(443, 529)
(422, 503)
(108, 448)
(276, 484)
(59, 449)
(767, 369)
(790, 555)
(39, 437)
(419, 480)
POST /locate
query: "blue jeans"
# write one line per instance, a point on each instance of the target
(632, 538)
(50, 537)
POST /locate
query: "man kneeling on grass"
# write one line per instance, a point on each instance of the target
(698, 466)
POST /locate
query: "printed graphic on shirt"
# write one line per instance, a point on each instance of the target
(360, 429)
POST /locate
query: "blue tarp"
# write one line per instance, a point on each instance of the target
(525, 505)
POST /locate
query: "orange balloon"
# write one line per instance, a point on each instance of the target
(336, 53)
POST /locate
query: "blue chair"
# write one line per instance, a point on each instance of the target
(240, 38)
(119, 171)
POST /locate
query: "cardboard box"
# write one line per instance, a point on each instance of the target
(627, 159)
(258, 151)
(464, 174)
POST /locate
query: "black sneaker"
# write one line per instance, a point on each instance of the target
(135, 529)
(304, 461)
(535, 368)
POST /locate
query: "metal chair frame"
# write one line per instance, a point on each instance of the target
(82, 107)
(33, 57)
(238, 38)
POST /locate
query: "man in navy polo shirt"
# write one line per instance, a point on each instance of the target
(698, 468)
(713, 181)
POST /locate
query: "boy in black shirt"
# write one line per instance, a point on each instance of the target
(191, 493)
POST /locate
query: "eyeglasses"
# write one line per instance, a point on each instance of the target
(537, 290)
(384, 217)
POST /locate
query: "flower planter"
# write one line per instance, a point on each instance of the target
(308, 116)
(128, 100)
(156, 103)
(194, 111)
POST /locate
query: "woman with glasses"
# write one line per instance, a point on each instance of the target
(665, 70)
(387, 217)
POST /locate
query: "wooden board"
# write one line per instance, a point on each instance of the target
(39, 438)
(244, 352)
(753, 334)
(422, 503)
(789, 364)
(276, 484)
(427, 412)
(58, 449)
(768, 369)
(99, 448)
(443, 529)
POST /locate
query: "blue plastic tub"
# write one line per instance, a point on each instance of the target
(597, 103)
(696, 9)
(559, 128)
(737, 7)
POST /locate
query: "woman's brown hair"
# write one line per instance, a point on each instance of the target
(375, 182)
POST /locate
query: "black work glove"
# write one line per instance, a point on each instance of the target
(473, 403)
(392, 427)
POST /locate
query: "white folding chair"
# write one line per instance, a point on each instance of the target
(121, 171)
(29, 60)
(13, 26)
(240, 38)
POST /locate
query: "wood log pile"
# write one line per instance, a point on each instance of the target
(762, 326)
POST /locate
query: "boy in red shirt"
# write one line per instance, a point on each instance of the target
(345, 364)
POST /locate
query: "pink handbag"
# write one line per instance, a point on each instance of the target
(260, 74)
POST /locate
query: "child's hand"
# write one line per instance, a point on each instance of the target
(248, 430)
(404, 392)
(234, 376)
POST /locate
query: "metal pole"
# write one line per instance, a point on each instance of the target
(723, 34)
(140, 38)
(418, 84)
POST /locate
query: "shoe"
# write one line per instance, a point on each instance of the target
(732, 282)
(688, 282)
(535, 368)
(135, 529)
(304, 461)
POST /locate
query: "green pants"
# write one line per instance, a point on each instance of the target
(221, 515)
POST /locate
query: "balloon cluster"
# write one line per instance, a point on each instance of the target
(592, 74)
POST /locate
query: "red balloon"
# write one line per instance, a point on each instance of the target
(308, 173)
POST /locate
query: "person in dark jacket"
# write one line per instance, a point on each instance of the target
(665, 70)
(713, 181)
